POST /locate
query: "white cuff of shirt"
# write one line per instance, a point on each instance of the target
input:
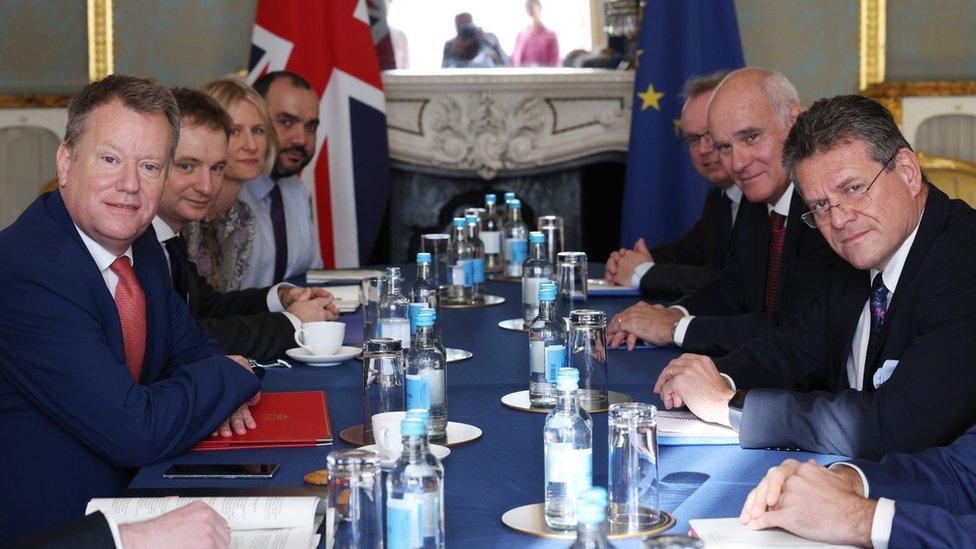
(884, 512)
(114, 527)
(294, 320)
(274, 301)
(682, 326)
(729, 379)
(639, 272)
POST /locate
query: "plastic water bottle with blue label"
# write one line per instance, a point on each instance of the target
(424, 292)
(535, 271)
(414, 494)
(516, 240)
(591, 515)
(491, 235)
(460, 269)
(477, 258)
(547, 349)
(568, 453)
(395, 310)
(426, 379)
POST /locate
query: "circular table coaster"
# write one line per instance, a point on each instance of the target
(502, 277)
(513, 324)
(531, 520)
(453, 355)
(319, 477)
(519, 400)
(488, 302)
(457, 355)
(457, 434)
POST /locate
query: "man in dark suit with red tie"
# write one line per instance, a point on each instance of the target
(776, 262)
(881, 361)
(674, 269)
(102, 368)
(258, 323)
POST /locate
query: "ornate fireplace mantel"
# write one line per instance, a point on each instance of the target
(490, 122)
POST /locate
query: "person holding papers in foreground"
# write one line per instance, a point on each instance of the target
(102, 368)
(926, 499)
(882, 361)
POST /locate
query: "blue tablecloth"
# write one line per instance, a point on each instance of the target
(504, 469)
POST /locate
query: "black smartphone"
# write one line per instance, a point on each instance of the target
(217, 470)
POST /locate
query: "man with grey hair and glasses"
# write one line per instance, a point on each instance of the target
(775, 263)
(881, 361)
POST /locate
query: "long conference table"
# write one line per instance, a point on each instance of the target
(504, 468)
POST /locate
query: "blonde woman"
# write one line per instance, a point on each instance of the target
(221, 246)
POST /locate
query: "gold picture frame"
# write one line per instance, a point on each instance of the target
(101, 60)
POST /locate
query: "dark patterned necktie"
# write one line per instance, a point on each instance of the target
(179, 264)
(280, 234)
(777, 234)
(879, 304)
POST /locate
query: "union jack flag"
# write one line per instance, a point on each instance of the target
(330, 44)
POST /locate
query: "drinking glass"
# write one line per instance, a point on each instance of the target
(633, 467)
(384, 384)
(355, 499)
(571, 282)
(436, 245)
(552, 227)
(373, 290)
(587, 339)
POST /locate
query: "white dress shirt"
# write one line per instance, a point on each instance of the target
(733, 193)
(782, 207)
(302, 236)
(164, 232)
(104, 259)
(859, 344)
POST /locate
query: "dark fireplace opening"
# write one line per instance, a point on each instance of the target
(587, 194)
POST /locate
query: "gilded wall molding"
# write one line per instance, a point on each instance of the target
(890, 94)
(101, 39)
(35, 101)
(872, 42)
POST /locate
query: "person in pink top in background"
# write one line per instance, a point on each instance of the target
(536, 46)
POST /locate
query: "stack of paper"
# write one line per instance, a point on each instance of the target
(320, 276)
(255, 522)
(676, 428)
(728, 533)
(600, 287)
(347, 298)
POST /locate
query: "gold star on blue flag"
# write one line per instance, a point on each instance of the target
(650, 98)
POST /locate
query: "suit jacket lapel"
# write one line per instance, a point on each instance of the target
(752, 234)
(933, 221)
(790, 246)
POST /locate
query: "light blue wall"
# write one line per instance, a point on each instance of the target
(931, 40)
(43, 46)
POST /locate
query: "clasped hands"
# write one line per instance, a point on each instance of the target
(643, 321)
(310, 304)
(621, 263)
(812, 501)
(693, 381)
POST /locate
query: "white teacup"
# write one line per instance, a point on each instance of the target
(386, 434)
(321, 338)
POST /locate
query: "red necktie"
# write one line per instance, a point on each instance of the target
(777, 233)
(131, 302)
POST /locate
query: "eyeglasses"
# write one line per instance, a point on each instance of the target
(693, 139)
(819, 213)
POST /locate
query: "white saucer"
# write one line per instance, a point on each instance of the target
(345, 353)
(440, 452)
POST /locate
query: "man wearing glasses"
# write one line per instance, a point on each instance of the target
(674, 269)
(882, 361)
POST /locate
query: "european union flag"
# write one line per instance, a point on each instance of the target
(679, 39)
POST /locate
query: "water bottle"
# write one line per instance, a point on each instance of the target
(414, 494)
(568, 453)
(591, 520)
(460, 268)
(535, 271)
(491, 235)
(395, 310)
(424, 292)
(424, 416)
(426, 380)
(473, 225)
(516, 245)
(547, 349)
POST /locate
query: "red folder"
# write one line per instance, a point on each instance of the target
(284, 420)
